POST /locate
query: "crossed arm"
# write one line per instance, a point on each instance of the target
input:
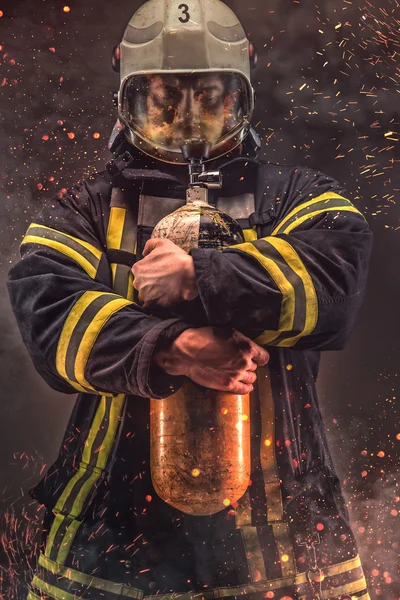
(299, 287)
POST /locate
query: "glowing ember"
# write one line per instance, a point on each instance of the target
(284, 558)
(226, 502)
(195, 472)
(66, 9)
(267, 442)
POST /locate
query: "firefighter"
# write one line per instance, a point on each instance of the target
(121, 318)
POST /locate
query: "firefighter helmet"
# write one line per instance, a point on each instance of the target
(184, 73)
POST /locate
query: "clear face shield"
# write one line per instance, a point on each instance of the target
(163, 110)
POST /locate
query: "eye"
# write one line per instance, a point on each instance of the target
(172, 93)
(208, 95)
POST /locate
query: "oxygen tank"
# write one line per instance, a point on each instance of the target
(199, 437)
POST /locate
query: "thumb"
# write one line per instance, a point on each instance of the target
(150, 245)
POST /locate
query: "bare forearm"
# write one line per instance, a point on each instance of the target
(219, 358)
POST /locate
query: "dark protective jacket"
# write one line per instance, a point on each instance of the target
(294, 286)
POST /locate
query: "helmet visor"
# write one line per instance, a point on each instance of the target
(168, 108)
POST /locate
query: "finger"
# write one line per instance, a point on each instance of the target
(252, 365)
(241, 389)
(248, 377)
(242, 341)
(260, 356)
(151, 244)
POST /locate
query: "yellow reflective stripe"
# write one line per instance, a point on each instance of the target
(288, 294)
(261, 586)
(86, 455)
(254, 556)
(51, 590)
(67, 542)
(89, 580)
(83, 494)
(96, 423)
(242, 511)
(53, 532)
(115, 227)
(89, 337)
(116, 406)
(363, 597)
(113, 422)
(113, 272)
(85, 264)
(70, 323)
(98, 253)
(301, 220)
(250, 234)
(324, 196)
(285, 549)
(92, 332)
(255, 559)
(103, 453)
(33, 596)
(296, 264)
(68, 488)
(273, 494)
(66, 244)
(348, 565)
(269, 467)
(348, 588)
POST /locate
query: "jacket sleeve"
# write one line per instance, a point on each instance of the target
(80, 334)
(302, 285)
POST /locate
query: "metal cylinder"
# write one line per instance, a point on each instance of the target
(200, 448)
(199, 437)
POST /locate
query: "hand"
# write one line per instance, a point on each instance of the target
(219, 358)
(165, 276)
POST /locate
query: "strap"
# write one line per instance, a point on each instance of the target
(118, 164)
(121, 257)
(121, 166)
(261, 218)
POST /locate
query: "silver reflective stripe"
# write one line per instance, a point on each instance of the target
(237, 207)
(154, 208)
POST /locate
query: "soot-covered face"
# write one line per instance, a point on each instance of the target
(170, 108)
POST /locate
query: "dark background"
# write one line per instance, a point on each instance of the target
(328, 90)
